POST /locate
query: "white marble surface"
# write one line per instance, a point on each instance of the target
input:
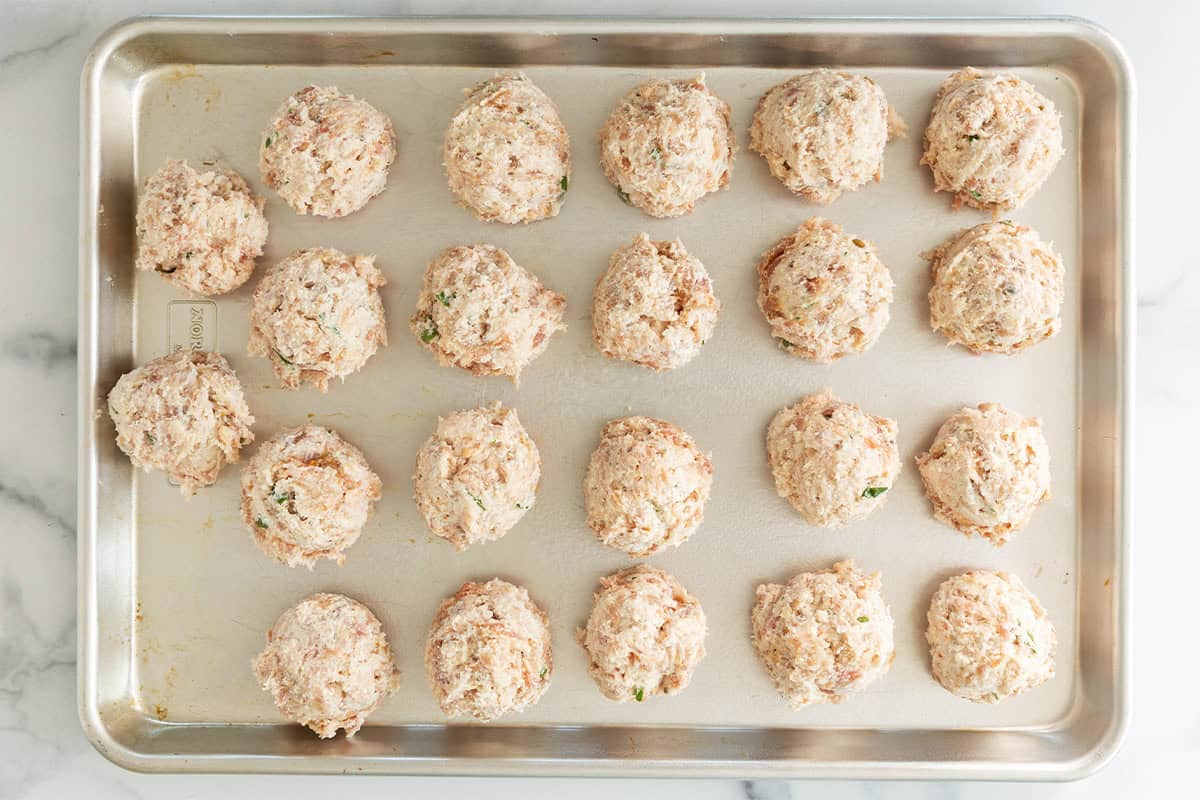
(43, 753)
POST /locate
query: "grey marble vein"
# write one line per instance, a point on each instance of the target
(11, 57)
(36, 504)
(41, 347)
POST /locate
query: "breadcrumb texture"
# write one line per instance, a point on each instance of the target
(997, 288)
(488, 652)
(645, 635)
(823, 132)
(823, 635)
(992, 140)
(824, 293)
(201, 231)
(306, 495)
(477, 475)
(185, 414)
(989, 638)
(667, 144)
(654, 306)
(506, 153)
(327, 664)
(317, 315)
(987, 471)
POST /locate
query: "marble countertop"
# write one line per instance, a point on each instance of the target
(43, 753)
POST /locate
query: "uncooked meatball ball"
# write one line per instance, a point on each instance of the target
(989, 638)
(199, 230)
(481, 311)
(185, 414)
(646, 486)
(306, 495)
(327, 153)
(823, 133)
(823, 635)
(824, 293)
(645, 635)
(317, 315)
(506, 152)
(997, 288)
(831, 460)
(987, 471)
(667, 144)
(992, 140)
(654, 306)
(488, 651)
(477, 475)
(327, 664)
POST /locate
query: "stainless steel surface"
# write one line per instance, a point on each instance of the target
(174, 599)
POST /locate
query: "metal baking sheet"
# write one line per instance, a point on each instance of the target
(175, 599)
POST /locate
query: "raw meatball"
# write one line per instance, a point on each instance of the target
(506, 152)
(645, 635)
(832, 461)
(823, 133)
(184, 414)
(306, 495)
(199, 230)
(987, 470)
(825, 294)
(992, 140)
(654, 306)
(997, 288)
(823, 635)
(989, 638)
(667, 144)
(477, 475)
(488, 651)
(481, 311)
(327, 153)
(646, 486)
(317, 315)
(327, 664)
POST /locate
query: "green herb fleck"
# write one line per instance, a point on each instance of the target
(1007, 222)
(478, 502)
(657, 155)
(325, 325)
(639, 694)
(430, 333)
(270, 139)
(542, 674)
(1032, 644)
(523, 508)
(976, 195)
(564, 183)
(624, 197)
(974, 137)
(784, 343)
(444, 298)
(864, 619)
(1009, 289)
(260, 522)
(874, 491)
(150, 437)
(281, 357)
(282, 498)
(188, 254)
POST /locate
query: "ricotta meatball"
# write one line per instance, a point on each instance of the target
(989, 638)
(199, 230)
(823, 133)
(506, 152)
(654, 306)
(481, 311)
(997, 288)
(317, 315)
(477, 475)
(488, 651)
(327, 153)
(824, 293)
(831, 460)
(645, 635)
(185, 414)
(327, 664)
(823, 635)
(667, 144)
(987, 471)
(992, 140)
(646, 486)
(306, 495)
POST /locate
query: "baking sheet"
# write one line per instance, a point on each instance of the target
(203, 596)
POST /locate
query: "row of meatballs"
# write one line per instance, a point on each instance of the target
(821, 636)
(992, 140)
(307, 493)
